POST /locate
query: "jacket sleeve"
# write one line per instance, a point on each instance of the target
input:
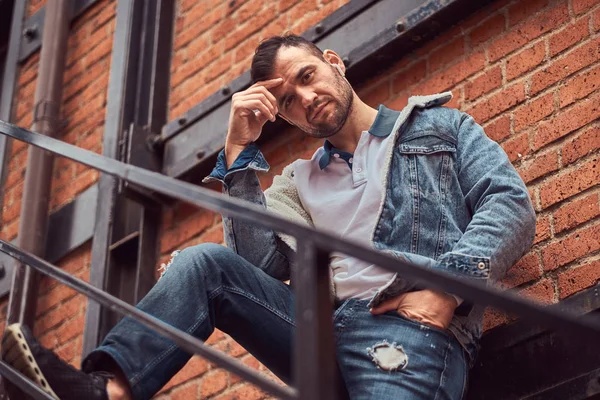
(502, 227)
(261, 247)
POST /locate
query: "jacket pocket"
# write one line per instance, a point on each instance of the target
(426, 161)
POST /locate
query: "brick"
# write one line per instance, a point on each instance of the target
(576, 213)
(276, 27)
(568, 36)
(543, 230)
(218, 67)
(482, 84)
(567, 121)
(489, 29)
(249, 9)
(409, 76)
(216, 337)
(570, 183)
(222, 29)
(539, 166)
(377, 95)
(70, 329)
(447, 54)
(541, 292)
(231, 347)
(498, 103)
(194, 31)
(581, 6)
(186, 392)
(69, 350)
(571, 247)
(285, 4)
(251, 27)
(579, 86)
(194, 368)
(527, 269)
(534, 111)
(517, 146)
(246, 392)
(493, 318)
(213, 383)
(596, 19)
(568, 64)
(195, 14)
(449, 77)
(524, 9)
(525, 33)
(525, 60)
(581, 145)
(499, 129)
(195, 225)
(579, 278)
(301, 9)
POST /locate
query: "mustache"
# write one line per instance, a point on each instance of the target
(315, 105)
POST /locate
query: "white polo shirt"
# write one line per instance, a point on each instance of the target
(342, 193)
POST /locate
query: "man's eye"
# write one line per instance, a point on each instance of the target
(307, 76)
(288, 101)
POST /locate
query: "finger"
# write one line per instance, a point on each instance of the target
(271, 83)
(387, 305)
(262, 98)
(265, 92)
(252, 105)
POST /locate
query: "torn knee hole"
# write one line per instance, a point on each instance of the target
(388, 357)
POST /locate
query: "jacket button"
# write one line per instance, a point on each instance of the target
(481, 265)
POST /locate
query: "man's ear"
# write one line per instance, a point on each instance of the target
(334, 59)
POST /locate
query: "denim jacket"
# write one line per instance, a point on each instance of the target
(451, 200)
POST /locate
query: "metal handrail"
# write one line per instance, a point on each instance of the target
(311, 239)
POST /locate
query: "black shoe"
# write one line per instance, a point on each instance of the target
(60, 380)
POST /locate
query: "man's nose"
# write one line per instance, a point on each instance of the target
(308, 97)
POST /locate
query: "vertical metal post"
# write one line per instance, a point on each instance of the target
(36, 194)
(9, 79)
(124, 250)
(107, 184)
(315, 367)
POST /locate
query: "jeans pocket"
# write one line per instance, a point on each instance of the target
(419, 324)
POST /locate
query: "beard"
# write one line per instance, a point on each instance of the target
(342, 106)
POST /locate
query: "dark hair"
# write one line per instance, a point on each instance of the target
(266, 52)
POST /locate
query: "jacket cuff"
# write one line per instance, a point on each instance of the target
(250, 158)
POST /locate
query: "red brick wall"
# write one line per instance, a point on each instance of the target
(60, 311)
(528, 71)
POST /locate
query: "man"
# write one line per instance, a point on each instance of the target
(424, 184)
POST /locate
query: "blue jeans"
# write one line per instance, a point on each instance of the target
(209, 286)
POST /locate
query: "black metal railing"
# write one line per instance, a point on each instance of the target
(314, 354)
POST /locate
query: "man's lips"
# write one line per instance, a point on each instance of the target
(317, 113)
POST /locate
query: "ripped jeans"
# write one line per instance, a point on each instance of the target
(209, 286)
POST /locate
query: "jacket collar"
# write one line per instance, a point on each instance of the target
(382, 127)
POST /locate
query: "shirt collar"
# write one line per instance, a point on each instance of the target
(382, 127)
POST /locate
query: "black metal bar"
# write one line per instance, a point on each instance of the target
(71, 225)
(9, 79)
(33, 27)
(25, 384)
(315, 367)
(107, 196)
(38, 177)
(235, 208)
(184, 340)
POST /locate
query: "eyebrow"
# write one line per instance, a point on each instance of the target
(299, 76)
